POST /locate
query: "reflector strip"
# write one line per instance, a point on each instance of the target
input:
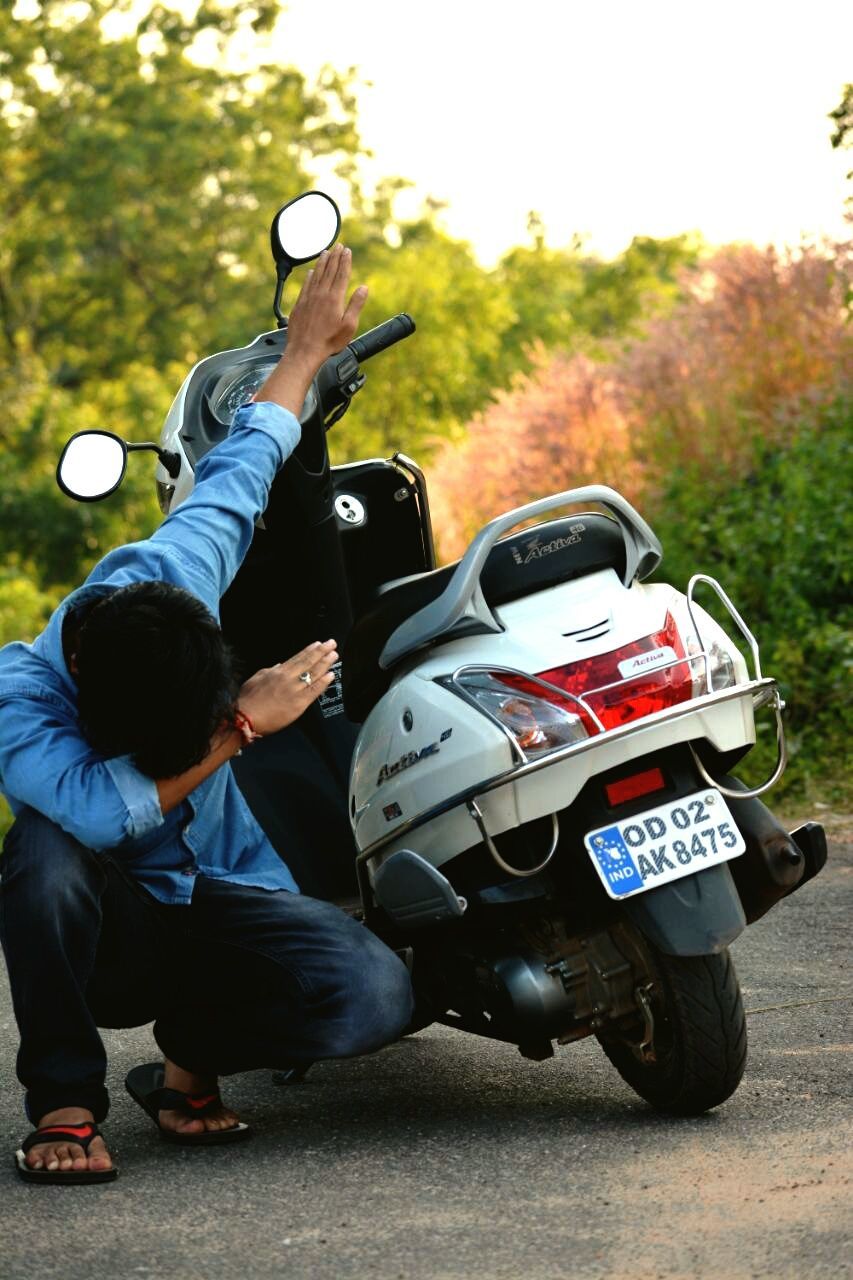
(639, 784)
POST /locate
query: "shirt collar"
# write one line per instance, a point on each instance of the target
(48, 645)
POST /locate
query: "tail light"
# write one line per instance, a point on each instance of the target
(651, 674)
(628, 683)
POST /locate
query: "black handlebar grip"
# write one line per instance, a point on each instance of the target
(384, 335)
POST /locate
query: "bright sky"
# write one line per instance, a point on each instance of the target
(611, 118)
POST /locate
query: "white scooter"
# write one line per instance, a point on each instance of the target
(521, 777)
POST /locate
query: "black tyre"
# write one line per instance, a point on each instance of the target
(699, 1037)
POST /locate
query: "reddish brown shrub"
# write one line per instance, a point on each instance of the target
(559, 426)
(760, 342)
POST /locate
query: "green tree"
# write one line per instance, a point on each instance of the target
(137, 188)
(565, 298)
(621, 296)
(777, 542)
(133, 181)
(423, 390)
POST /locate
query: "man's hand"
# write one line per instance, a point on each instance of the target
(320, 324)
(276, 696)
(272, 698)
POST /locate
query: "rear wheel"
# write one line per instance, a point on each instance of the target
(695, 1039)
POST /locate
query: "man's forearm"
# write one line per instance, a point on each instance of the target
(172, 791)
(288, 383)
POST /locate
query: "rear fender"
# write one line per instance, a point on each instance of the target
(696, 916)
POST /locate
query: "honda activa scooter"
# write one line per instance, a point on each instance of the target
(521, 777)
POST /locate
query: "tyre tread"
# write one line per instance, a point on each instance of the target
(707, 1013)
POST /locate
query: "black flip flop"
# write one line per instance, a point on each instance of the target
(80, 1134)
(145, 1085)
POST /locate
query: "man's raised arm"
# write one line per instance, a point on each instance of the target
(212, 530)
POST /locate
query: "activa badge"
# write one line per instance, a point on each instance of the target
(411, 758)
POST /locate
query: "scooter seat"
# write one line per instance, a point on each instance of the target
(527, 561)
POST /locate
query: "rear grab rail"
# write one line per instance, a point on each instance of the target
(462, 599)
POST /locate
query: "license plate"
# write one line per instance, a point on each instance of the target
(664, 843)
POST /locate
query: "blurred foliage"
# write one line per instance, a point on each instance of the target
(138, 185)
(61, 540)
(559, 426)
(754, 342)
(564, 298)
(423, 390)
(779, 543)
(140, 174)
(760, 339)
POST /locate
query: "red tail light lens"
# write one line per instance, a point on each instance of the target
(641, 682)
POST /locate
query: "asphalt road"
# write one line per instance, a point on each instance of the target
(447, 1156)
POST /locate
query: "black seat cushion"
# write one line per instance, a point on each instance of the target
(516, 566)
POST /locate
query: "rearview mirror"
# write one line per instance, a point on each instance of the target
(303, 228)
(92, 465)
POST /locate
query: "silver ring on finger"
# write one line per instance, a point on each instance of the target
(305, 677)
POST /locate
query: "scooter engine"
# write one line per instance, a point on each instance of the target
(548, 986)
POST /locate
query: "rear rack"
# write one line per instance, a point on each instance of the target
(733, 614)
(771, 696)
(702, 654)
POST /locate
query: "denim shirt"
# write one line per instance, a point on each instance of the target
(106, 803)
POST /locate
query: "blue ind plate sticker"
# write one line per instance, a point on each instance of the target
(665, 843)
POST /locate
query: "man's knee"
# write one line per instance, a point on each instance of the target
(374, 1000)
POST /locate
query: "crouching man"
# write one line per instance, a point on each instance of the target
(136, 885)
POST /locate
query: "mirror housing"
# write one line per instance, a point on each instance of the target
(304, 227)
(92, 465)
(300, 231)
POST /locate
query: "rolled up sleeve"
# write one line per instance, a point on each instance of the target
(139, 793)
(46, 763)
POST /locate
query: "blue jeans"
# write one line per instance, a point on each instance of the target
(241, 978)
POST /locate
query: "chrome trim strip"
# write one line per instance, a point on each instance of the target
(419, 480)
(755, 688)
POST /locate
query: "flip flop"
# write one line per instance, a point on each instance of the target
(145, 1085)
(81, 1134)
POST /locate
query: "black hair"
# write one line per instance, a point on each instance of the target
(155, 676)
